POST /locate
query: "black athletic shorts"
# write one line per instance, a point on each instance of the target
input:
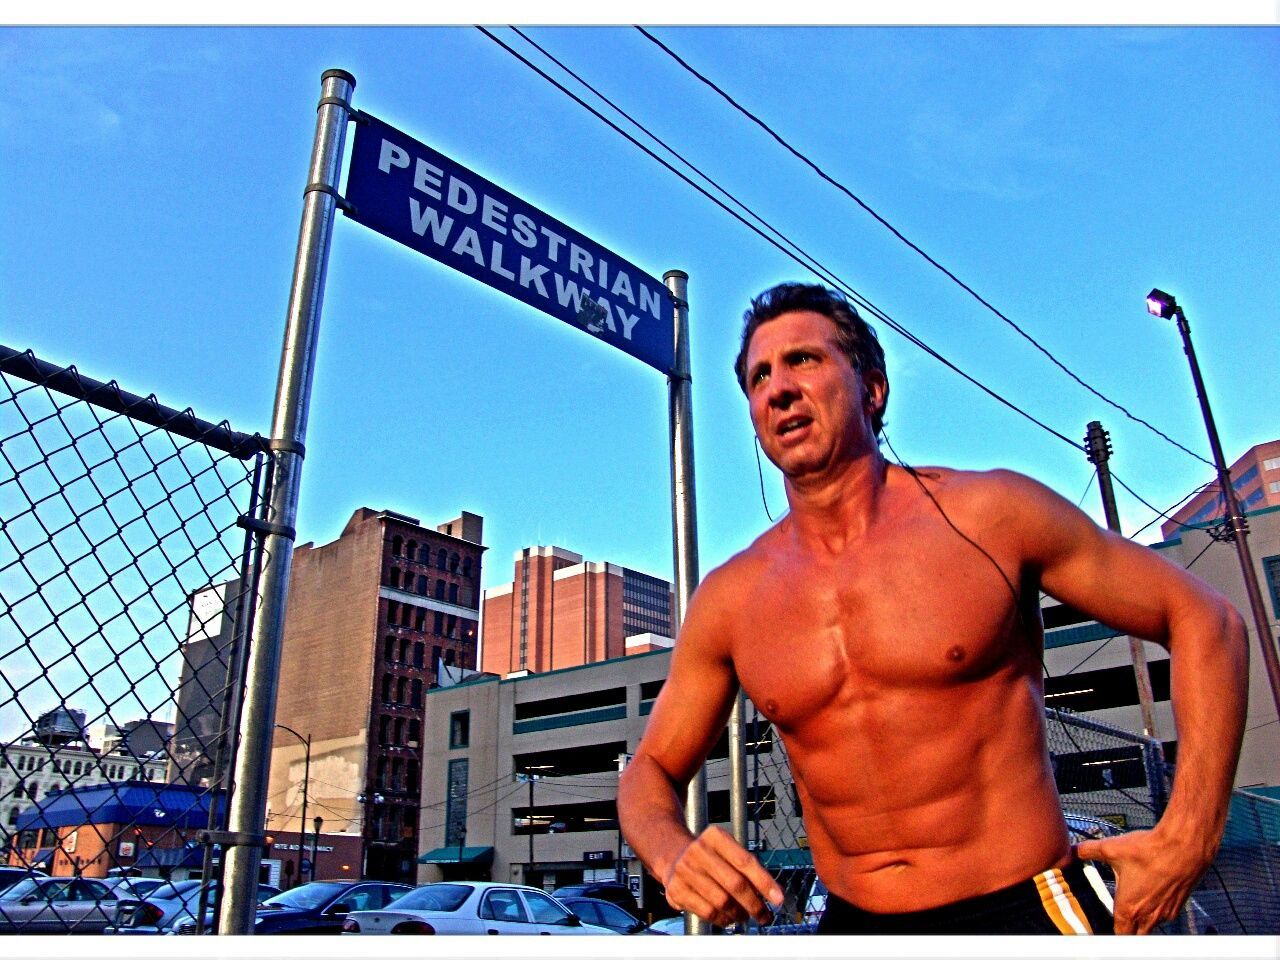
(1070, 900)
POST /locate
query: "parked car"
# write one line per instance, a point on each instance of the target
(128, 886)
(602, 890)
(602, 913)
(166, 906)
(11, 875)
(316, 908)
(670, 926)
(478, 908)
(57, 905)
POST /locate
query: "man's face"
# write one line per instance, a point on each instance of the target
(809, 406)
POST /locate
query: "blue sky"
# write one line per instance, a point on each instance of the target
(154, 191)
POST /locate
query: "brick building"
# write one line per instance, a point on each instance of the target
(560, 611)
(372, 618)
(1256, 479)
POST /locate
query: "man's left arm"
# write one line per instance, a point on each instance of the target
(1133, 589)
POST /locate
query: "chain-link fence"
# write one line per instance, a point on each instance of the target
(123, 566)
(1109, 781)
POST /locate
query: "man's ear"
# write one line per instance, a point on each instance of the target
(876, 386)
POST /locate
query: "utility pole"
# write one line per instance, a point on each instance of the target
(306, 780)
(1098, 449)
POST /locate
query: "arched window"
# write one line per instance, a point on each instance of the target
(411, 549)
(393, 612)
(395, 577)
(423, 585)
(387, 680)
(453, 593)
(411, 815)
(384, 726)
(381, 781)
(415, 731)
(405, 615)
(417, 693)
(424, 555)
(442, 559)
(466, 568)
(419, 618)
(397, 546)
(437, 625)
(397, 771)
(435, 659)
(402, 689)
(419, 654)
(389, 648)
(454, 560)
(404, 650)
(439, 589)
(448, 657)
(399, 737)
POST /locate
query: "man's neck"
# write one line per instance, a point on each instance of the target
(832, 508)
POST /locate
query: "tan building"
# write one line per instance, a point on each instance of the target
(1256, 479)
(482, 817)
(560, 611)
(1090, 667)
(372, 619)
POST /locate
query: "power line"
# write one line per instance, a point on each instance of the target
(897, 233)
(799, 256)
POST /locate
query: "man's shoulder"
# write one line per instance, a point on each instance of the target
(997, 486)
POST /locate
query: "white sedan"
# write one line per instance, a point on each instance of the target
(472, 908)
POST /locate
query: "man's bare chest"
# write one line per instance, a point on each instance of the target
(893, 618)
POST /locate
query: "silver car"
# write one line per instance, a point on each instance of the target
(57, 905)
(472, 908)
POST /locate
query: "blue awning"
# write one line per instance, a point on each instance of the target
(455, 854)
(139, 803)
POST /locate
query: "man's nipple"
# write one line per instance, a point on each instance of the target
(956, 653)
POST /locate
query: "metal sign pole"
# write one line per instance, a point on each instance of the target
(247, 810)
(684, 519)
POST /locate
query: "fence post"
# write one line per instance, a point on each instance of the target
(242, 842)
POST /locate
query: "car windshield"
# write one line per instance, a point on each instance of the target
(306, 897)
(445, 897)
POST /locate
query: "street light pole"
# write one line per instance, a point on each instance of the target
(315, 845)
(306, 780)
(1163, 305)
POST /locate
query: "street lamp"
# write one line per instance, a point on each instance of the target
(315, 844)
(306, 779)
(1163, 305)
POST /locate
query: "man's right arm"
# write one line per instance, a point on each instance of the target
(711, 875)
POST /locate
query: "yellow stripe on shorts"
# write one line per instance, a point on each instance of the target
(1061, 904)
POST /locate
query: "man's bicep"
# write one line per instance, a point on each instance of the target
(1098, 572)
(696, 698)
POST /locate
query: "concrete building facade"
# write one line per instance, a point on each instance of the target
(372, 617)
(569, 730)
(560, 611)
(1090, 668)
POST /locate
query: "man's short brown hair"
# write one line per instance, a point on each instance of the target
(857, 340)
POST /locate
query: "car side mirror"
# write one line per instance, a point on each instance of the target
(637, 926)
(338, 909)
(572, 921)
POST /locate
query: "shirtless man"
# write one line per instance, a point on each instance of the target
(889, 628)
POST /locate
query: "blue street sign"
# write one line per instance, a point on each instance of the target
(418, 197)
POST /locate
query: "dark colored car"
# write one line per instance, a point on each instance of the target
(602, 913)
(613, 892)
(318, 907)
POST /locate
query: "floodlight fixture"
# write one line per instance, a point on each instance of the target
(1161, 304)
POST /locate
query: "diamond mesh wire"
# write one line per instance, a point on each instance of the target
(121, 559)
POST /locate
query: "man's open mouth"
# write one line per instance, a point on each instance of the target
(792, 424)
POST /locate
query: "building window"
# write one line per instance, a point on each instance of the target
(437, 624)
(439, 589)
(384, 726)
(453, 593)
(388, 648)
(422, 585)
(1271, 570)
(397, 546)
(459, 729)
(404, 650)
(1272, 464)
(393, 612)
(466, 568)
(417, 693)
(399, 732)
(402, 690)
(395, 577)
(424, 555)
(454, 560)
(411, 549)
(419, 653)
(387, 680)
(442, 559)
(455, 817)
(1274, 486)
(415, 731)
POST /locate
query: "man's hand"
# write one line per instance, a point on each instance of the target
(722, 883)
(1154, 876)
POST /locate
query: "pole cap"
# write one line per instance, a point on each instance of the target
(680, 274)
(340, 74)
